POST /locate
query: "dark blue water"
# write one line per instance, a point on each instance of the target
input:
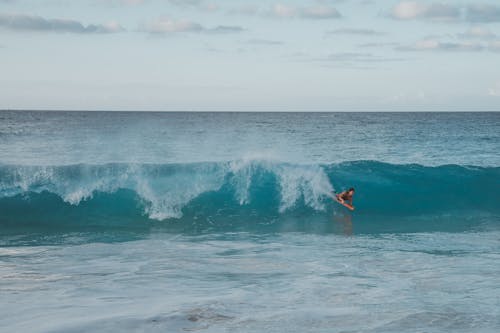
(223, 222)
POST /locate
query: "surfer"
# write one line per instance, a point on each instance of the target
(345, 196)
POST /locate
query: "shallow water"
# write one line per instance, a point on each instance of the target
(288, 282)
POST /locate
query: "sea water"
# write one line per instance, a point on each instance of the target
(222, 222)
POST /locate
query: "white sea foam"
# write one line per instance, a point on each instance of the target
(166, 189)
(295, 181)
(309, 182)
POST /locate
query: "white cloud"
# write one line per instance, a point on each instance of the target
(165, 25)
(440, 11)
(408, 10)
(478, 33)
(494, 46)
(185, 2)
(319, 12)
(285, 10)
(198, 4)
(133, 2)
(495, 91)
(248, 9)
(473, 40)
(311, 12)
(123, 2)
(411, 10)
(281, 10)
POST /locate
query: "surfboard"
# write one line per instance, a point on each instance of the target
(344, 204)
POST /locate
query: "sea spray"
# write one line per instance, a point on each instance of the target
(165, 189)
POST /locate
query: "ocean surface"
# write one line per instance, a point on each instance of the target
(221, 222)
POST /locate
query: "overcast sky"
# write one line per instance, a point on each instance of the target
(290, 55)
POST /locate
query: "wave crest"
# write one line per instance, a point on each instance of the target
(164, 190)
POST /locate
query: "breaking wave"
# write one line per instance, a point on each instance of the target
(256, 190)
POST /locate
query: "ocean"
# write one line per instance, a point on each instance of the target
(222, 222)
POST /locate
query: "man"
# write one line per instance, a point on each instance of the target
(345, 196)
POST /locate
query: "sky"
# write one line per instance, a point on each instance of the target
(242, 55)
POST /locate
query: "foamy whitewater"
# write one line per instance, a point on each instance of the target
(222, 222)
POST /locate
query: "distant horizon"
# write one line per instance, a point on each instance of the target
(254, 111)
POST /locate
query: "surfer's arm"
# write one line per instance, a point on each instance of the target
(338, 197)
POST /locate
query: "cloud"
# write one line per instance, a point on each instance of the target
(279, 10)
(359, 32)
(418, 10)
(182, 3)
(311, 12)
(122, 2)
(132, 2)
(494, 46)
(475, 39)
(198, 4)
(478, 33)
(319, 12)
(483, 13)
(248, 9)
(165, 25)
(21, 22)
(436, 45)
(412, 10)
(494, 91)
(185, 2)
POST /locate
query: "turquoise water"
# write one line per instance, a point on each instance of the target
(222, 222)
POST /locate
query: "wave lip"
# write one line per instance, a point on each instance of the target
(164, 189)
